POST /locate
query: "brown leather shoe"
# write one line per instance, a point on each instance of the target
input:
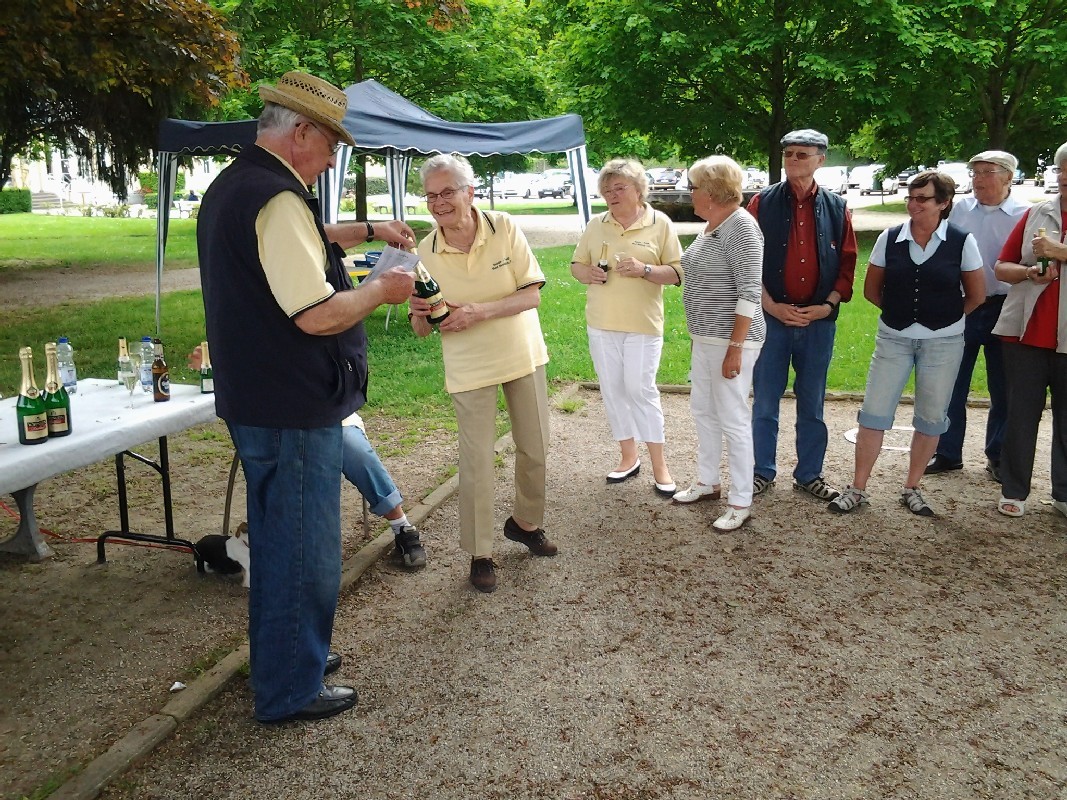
(535, 539)
(483, 574)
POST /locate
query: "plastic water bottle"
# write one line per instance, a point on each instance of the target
(147, 357)
(68, 373)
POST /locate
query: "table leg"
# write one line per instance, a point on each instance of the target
(27, 539)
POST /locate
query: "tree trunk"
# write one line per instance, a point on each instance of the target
(361, 159)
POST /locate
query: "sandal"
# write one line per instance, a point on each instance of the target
(818, 488)
(911, 498)
(761, 484)
(849, 500)
(1011, 508)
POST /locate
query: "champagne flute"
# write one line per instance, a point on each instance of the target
(130, 371)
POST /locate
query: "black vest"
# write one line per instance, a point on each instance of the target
(269, 373)
(931, 293)
(775, 217)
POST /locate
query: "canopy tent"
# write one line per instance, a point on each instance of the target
(383, 124)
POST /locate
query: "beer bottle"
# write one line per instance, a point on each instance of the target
(207, 375)
(426, 288)
(123, 360)
(56, 399)
(29, 408)
(1042, 263)
(603, 262)
(160, 374)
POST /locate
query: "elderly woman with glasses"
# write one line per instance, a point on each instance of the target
(1033, 327)
(926, 276)
(626, 256)
(491, 338)
(723, 269)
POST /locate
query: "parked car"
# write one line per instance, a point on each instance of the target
(1018, 177)
(754, 179)
(1051, 180)
(554, 183)
(833, 179)
(868, 178)
(665, 179)
(960, 172)
(905, 175)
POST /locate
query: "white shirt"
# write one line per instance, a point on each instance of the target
(990, 226)
(971, 260)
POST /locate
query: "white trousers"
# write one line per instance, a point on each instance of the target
(720, 411)
(626, 365)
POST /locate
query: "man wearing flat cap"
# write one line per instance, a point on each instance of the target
(990, 215)
(809, 262)
(286, 333)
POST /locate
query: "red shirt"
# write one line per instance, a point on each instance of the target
(802, 252)
(1041, 327)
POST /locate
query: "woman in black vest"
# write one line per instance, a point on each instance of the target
(914, 276)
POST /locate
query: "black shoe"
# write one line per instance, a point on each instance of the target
(331, 700)
(333, 663)
(993, 468)
(626, 474)
(940, 463)
(409, 548)
(535, 539)
(483, 574)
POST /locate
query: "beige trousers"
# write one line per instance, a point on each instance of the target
(527, 404)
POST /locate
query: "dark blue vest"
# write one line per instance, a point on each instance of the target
(775, 216)
(931, 293)
(269, 373)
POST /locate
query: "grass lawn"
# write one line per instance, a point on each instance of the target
(405, 371)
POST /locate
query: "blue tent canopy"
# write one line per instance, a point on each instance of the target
(383, 124)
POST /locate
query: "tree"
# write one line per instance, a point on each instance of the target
(716, 76)
(97, 76)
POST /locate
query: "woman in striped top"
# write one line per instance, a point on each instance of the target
(723, 273)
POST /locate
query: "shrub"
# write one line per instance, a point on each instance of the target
(348, 204)
(121, 210)
(151, 200)
(377, 186)
(15, 201)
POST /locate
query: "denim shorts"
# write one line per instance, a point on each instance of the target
(935, 362)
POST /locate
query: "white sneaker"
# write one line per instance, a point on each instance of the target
(1061, 506)
(733, 519)
(698, 491)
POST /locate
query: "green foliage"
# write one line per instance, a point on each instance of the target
(15, 201)
(149, 181)
(97, 76)
(152, 201)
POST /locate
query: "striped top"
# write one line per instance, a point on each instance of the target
(723, 279)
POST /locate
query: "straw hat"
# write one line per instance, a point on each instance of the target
(312, 97)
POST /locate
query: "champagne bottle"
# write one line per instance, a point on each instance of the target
(207, 375)
(56, 399)
(603, 262)
(123, 360)
(29, 408)
(426, 288)
(160, 374)
(1042, 263)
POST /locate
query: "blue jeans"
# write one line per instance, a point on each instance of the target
(936, 363)
(979, 334)
(809, 349)
(293, 480)
(364, 470)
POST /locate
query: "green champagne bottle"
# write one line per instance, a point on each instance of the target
(29, 408)
(426, 288)
(603, 262)
(56, 399)
(207, 374)
(1042, 263)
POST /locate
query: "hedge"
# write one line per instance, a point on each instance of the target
(15, 201)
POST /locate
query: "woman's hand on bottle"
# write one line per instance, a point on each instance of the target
(596, 275)
(1033, 273)
(461, 317)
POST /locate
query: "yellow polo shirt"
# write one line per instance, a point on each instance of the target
(632, 305)
(499, 264)
(291, 251)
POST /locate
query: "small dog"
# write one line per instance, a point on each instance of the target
(227, 555)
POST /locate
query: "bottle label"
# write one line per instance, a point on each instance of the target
(57, 420)
(207, 385)
(36, 426)
(438, 307)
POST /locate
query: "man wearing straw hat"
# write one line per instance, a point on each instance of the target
(286, 333)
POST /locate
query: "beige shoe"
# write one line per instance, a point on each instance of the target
(733, 519)
(698, 491)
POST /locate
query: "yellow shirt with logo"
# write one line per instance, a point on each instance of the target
(499, 264)
(631, 305)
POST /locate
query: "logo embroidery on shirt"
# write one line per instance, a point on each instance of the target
(505, 261)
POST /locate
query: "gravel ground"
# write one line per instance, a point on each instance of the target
(806, 656)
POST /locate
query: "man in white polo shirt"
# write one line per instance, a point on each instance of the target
(989, 214)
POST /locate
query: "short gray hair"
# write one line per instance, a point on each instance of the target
(456, 164)
(629, 170)
(1061, 155)
(719, 176)
(276, 117)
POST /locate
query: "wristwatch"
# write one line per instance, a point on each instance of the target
(648, 270)
(370, 231)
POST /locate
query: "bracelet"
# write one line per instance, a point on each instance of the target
(736, 344)
(370, 231)
(832, 304)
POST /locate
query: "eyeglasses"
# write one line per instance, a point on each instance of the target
(334, 147)
(921, 199)
(798, 155)
(618, 188)
(976, 173)
(1055, 170)
(445, 194)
